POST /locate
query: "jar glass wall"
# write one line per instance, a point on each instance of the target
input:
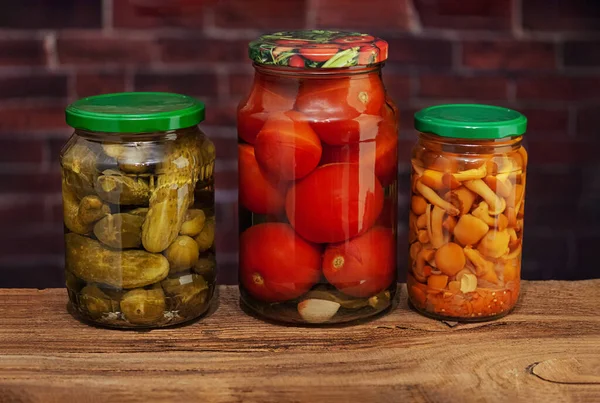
(139, 220)
(318, 152)
(466, 221)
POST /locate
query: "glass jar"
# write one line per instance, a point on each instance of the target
(138, 200)
(466, 218)
(318, 155)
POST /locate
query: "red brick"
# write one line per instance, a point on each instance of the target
(33, 86)
(588, 122)
(22, 52)
(99, 83)
(544, 152)
(25, 272)
(226, 147)
(240, 84)
(15, 119)
(398, 86)
(159, 14)
(30, 183)
(561, 15)
(462, 87)
(377, 14)
(546, 122)
(195, 84)
(465, 14)
(509, 55)
(203, 50)
(221, 114)
(21, 151)
(582, 54)
(558, 88)
(43, 14)
(407, 120)
(261, 14)
(227, 228)
(104, 51)
(419, 52)
(17, 210)
(226, 179)
(27, 244)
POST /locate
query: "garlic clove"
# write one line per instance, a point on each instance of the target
(317, 310)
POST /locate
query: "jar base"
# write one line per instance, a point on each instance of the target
(475, 319)
(172, 319)
(287, 313)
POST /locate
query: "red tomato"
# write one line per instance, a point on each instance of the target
(281, 49)
(355, 39)
(296, 61)
(287, 147)
(256, 192)
(319, 53)
(267, 95)
(363, 266)
(330, 102)
(335, 202)
(346, 131)
(277, 265)
(389, 213)
(380, 154)
(291, 42)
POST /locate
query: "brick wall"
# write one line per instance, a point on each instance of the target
(539, 56)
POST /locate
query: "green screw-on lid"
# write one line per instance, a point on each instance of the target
(470, 121)
(135, 112)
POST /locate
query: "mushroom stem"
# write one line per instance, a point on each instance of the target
(483, 268)
(514, 254)
(495, 203)
(416, 167)
(482, 212)
(501, 186)
(471, 174)
(419, 268)
(435, 199)
(422, 221)
(437, 237)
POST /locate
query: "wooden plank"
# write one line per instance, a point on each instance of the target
(548, 349)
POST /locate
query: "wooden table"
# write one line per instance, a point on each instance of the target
(547, 350)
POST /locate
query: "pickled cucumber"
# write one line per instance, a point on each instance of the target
(194, 222)
(80, 215)
(140, 211)
(206, 238)
(96, 302)
(120, 231)
(116, 187)
(92, 262)
(132, 158)
(206, 266)
(143, 307)
(177, 177)
(79, 169)
(186, 293)
(182, 254)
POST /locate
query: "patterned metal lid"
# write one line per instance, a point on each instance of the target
(318, 49)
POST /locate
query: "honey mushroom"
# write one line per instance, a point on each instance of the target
(469, 230)
(496, 204)
(483, 268)
(470, 174)
(420, 264)
(482, 212)
(494, 244)
(462, 198)
(450, 259)
(437, 237)
(438, 180)
(430, 194)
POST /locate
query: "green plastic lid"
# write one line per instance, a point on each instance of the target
(135, 112)
(470, 121)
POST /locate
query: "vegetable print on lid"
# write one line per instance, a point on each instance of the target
(318, 49)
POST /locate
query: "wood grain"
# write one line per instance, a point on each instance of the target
(548, 350)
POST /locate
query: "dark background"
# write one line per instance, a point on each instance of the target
(541, 57)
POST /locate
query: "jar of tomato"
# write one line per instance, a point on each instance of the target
(138, 203)
(466, 216)
(318, 155)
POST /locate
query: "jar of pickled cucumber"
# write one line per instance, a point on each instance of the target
(318, 156)
(466, 216)
(138, 198)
